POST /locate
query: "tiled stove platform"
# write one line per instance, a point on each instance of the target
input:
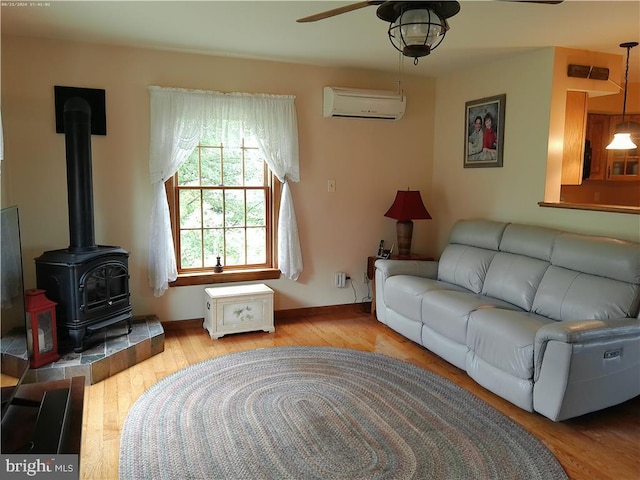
(110, 350)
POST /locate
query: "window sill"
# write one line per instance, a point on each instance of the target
(593, 207)
(202, 278)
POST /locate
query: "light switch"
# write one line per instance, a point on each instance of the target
(331, 186)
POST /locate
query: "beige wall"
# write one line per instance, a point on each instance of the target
(533, 134)
(368, 159)
(613, 103)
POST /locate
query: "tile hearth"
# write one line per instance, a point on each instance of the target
(109, 351)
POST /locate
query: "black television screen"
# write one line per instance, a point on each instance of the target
(14, 355)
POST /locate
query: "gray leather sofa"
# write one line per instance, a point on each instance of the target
(545, 319)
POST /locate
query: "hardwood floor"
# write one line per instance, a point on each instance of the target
(603, 445)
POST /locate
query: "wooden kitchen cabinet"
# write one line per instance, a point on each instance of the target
(575, 124)
(623, 165)
(615, 165)
(597, 134)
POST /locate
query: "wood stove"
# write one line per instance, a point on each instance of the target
(89, 282)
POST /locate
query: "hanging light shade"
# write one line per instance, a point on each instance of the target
(622, 137)
(417, 28)
(621, 141)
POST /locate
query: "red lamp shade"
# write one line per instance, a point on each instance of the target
(41, 322)
(406, 207)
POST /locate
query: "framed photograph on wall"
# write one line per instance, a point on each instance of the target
(484, 132)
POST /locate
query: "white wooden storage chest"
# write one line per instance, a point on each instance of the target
(238, 308)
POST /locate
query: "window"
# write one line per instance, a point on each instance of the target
(222, 200)
(179, 120)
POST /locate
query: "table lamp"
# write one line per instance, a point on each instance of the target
(406, 207)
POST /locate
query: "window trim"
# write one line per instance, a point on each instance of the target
(205, 277)
(201, 278)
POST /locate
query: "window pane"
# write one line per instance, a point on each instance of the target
(253, 167)
(234, 208)
(213, 246)
(232, 167)
(235, 246)
(190, 249)
(233, 133)
(218, 216)
(190, 209)
(213, 214)
(256, 208)
(189, 174)
(257, 242)
(211, 166)
(210, 138)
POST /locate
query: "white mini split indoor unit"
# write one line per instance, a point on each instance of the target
(350, 102)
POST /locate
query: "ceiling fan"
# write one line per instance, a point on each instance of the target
(415, 27)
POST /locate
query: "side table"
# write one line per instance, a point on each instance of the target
(371, 272)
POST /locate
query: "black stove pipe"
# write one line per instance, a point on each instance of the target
(77, 128)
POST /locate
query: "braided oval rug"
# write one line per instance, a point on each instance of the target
(322, 413)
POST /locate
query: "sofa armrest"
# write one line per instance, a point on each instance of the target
(582, 331)
(585, 365)
(418, 268)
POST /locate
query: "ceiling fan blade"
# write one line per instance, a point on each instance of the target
(338, 11)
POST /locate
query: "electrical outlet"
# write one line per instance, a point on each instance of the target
(365, 278)
(341, 279)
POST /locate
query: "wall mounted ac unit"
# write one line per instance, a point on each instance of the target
(349, 102)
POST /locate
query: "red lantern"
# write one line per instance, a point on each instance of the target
(41, 322)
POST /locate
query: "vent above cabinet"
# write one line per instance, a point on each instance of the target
(585, 71)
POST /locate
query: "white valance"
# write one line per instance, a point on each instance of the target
(179, 119)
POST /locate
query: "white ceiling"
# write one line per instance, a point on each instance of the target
(483, 31)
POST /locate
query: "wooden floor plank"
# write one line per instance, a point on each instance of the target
(603, 445)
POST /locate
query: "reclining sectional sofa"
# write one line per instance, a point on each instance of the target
(546, 319)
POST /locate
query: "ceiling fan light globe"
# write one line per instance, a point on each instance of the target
(417, 31)
(414, 24)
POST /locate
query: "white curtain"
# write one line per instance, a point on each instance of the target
(179, 119)
(1, 139)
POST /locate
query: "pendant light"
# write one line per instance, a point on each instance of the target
(622, 137)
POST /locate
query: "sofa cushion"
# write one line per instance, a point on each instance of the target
(465, 266)
(534, 242)
(447, 311)
(570, 295)
(605, 257)
(472, 245)
(518, 391)
(403, 294)
(485, 234)
(505, 339)
(514, 278)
